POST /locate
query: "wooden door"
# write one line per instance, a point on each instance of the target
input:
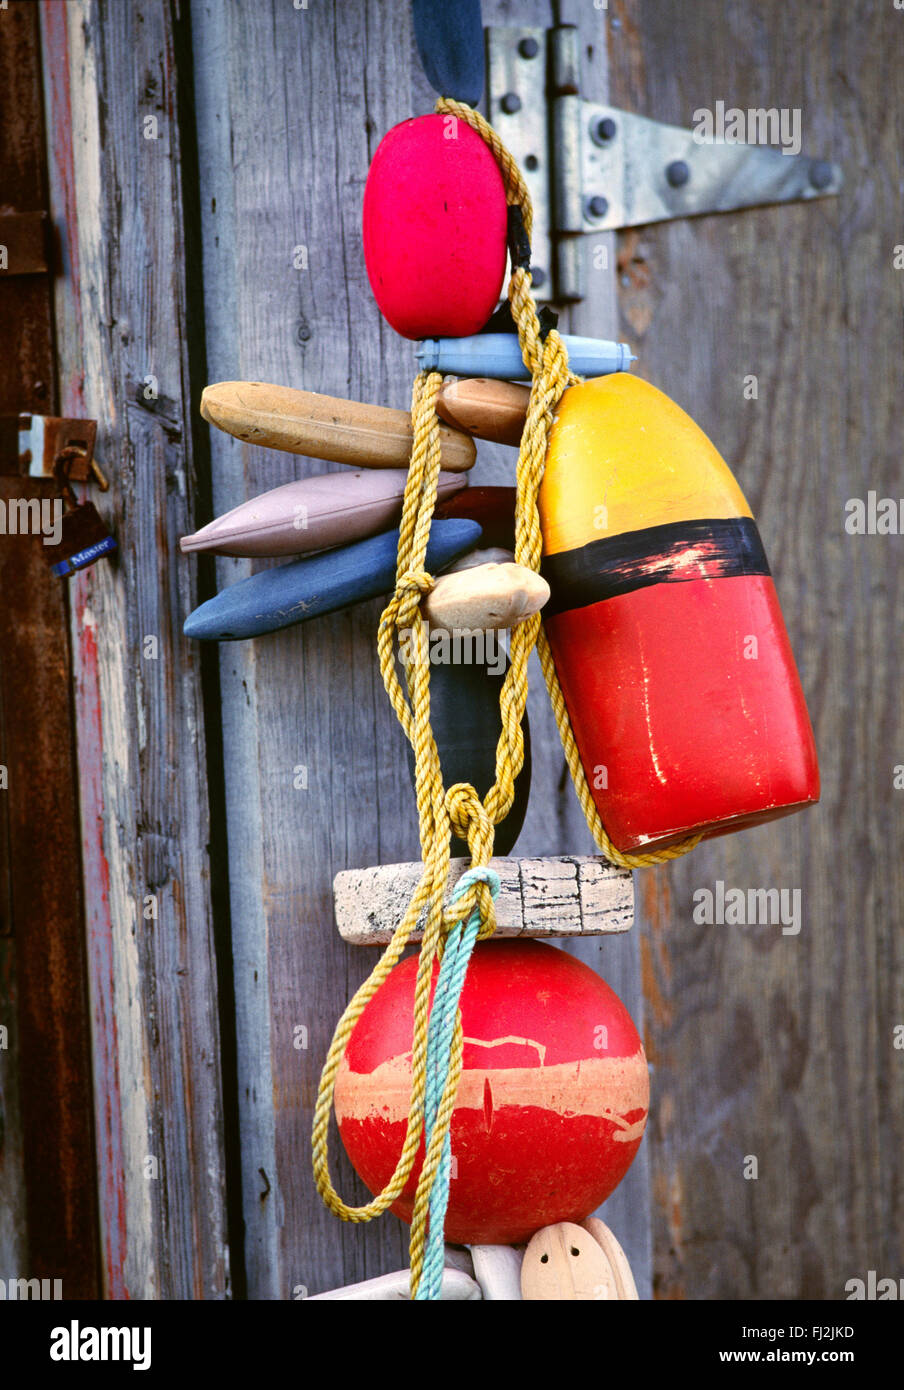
(774, 1046)
(291, 105)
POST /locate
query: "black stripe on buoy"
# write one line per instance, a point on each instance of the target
(679, 551)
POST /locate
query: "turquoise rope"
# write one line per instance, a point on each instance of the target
(456, 956)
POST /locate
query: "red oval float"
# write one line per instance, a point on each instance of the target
(435, 228)
(551, 1105)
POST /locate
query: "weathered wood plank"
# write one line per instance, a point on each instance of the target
(627, 1211)
(568, 896)
(48, 1227)
(13, 1231)
(291, 104)
(50, 1026)
(286, 136)
(777, 1046)
(116, 196)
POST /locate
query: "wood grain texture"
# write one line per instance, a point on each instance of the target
(291, 105)
(116, 193)
(48, 1226)
(50, 1024)
(327, 427)
(568, 896)
(627, 1211)
(13, 1229)
(764, 1044)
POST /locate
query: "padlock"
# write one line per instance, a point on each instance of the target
(84, 537)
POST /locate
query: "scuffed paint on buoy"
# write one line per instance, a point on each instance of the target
(550, 1108)
(664, 624)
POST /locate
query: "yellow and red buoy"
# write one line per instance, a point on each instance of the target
(664, 625)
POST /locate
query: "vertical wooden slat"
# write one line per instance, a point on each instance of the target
(782, 1047)
(291, 105)
(47, 1172)
(51, 1020)
(117, 201)
(627, 1211)
(555, 823)
(285, 138)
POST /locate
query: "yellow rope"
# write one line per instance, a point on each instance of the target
(459, 809)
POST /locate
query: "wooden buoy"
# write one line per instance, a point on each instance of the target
(625, 1287)
(475, 558)
(664, 624)
(456, 1287)
(485, 596)
(493, 410)
(317, 584)
(312, 514)
(467, 669)
(551, 1104)
(435, 222)
(565, 1264)
(498, 355)
(324, 427)
(497, 1269)
(570, 895)
(492, 507)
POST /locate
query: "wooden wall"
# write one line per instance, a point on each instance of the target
(177, 253)
(291, 105)
(779, 1046)
(48, 1212)
(113, 108)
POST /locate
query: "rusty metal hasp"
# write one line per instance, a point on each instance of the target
(31, 444)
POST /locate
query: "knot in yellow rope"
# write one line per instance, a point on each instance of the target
(409, 590)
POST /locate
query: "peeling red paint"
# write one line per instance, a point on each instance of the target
(88, 718)
(100, 950)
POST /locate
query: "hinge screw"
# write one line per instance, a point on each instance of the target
(510, 103)
(605, 129)
(820, 173)
(597, 206)
(528, 48)
(677, 173)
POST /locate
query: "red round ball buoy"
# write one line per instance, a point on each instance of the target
(435, 228)
(551, 1105)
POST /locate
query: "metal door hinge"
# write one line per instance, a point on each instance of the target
(594, 168)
